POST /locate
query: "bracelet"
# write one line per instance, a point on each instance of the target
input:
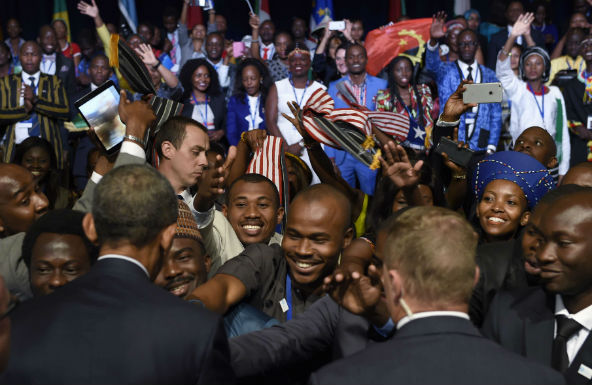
(136, 140)
(158, 63)
(460, 177)
(506, 52)
(243, 138)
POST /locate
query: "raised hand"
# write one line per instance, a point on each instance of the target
(455, 106)
(254, 21)
(255, 139)
(437, 27)
(212, 182)
(522, 24)
(137, 116)
(88, 9)
(145, 53)
(296, 120)
(398, 168)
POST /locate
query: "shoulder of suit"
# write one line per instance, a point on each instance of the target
(518, 297)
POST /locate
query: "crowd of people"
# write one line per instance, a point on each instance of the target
(298, 220)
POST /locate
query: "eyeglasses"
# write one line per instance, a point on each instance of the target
(467, 44)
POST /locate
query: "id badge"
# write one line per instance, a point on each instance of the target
(589, 122)
(21, 131)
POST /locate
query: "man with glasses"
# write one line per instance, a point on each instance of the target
(481, 126)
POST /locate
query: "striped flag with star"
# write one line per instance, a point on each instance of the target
(322, 12)
(386, 43)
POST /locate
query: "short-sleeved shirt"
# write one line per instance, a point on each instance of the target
(263, 270)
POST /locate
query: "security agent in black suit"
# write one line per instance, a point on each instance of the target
(551, 324)
(514, 9)
(428, 275)
(113, 325)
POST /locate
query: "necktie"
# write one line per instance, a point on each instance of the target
(566, 328)
(265, 50)
(32, 81)
(470, 77)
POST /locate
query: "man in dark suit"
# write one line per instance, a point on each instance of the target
(53, 62)
(113, 325)
(428, 275)
(514, 9)
(551, 324)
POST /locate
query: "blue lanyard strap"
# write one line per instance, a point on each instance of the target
(204, 119)
(541, 110)
(294, 90)
(289, 296)
(253, 114)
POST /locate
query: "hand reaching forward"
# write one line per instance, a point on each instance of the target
(398, 168)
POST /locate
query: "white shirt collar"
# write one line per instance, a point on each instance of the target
(425, 314)
(134, 261)
(463, 66)
(25, 76)
(584, 316)
(51, 57)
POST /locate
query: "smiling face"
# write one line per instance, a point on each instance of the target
(253, 211)
(57, 259)
(214, 47)
(586, 49)
(356, 59)
(267, 30)
(251, 80)
(184, 267)
(299, 64)
(21, 200)
(30, 57)
(198, 32)
(315, 235)
(565, 257)
(48, 40)
(340, 61)
(200, 80)
(534, 67)
(467, 46)
(537, 142)
(38, 161)
(501, 210)
(402, 73)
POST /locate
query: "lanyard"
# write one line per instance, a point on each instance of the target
(204, 119)
(541, 110)
(48, 69)
(569, 65)
(289, 296)
(253, 114)
(294, 90)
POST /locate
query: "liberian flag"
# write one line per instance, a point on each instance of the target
(269, 161)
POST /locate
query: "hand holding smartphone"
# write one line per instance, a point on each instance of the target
(482, 93)
(460, 156)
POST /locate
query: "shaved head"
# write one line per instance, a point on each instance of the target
(326, 194)
(580, 174)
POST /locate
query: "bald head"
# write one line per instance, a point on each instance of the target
(328, 195)
(580, 174)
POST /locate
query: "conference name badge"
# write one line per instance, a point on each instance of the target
(585, 371)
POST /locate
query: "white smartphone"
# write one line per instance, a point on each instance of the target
(483, 93)
(337, 25)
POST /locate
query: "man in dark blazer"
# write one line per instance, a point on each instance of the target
(54, 62)
(428, 275)
(527, 321)
(113, 325)
(514, 9)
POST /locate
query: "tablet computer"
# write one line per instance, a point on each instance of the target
(99, 109)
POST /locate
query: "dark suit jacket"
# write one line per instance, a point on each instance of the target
(218, 106)
(436, 350)
(323, 333)
(523, 321)
(499, 39)
(65, 71)
(113, 326)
